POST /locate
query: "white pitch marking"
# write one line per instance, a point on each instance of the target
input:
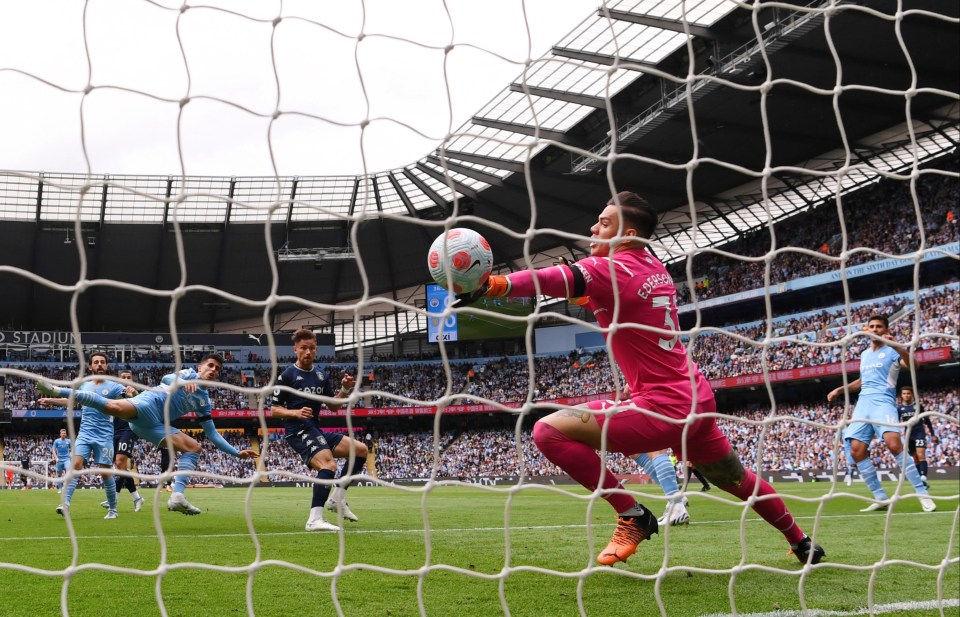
(878, 609)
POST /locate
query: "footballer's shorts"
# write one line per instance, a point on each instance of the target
(872, 416)
(61, 466)
(917, 439)
(149, 423)
(86, 447)
(642, 426)
(123, 442)
(307, 439)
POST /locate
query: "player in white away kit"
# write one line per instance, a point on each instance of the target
(876, 413)
(61, 454)
(95, 437)
(634, 300)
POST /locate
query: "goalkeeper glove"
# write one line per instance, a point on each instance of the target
(496, 286)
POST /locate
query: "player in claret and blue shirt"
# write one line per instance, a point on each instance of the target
(61, 454)
(876, 413)
(145, 414)
(295, 400)
(908, 409)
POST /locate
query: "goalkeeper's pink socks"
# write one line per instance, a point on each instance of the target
(772, 510)
(581, 463)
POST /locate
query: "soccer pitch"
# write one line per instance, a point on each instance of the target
(464, 551)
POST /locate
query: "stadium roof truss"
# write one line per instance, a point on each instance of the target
(623, 82)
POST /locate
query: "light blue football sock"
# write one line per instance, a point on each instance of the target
(70, 488)
(110, 486)
(187, 463)
(667, 477)
(644, 461)
(869, 474)
(913, 476)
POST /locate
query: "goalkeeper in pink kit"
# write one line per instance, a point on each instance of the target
(642, 333)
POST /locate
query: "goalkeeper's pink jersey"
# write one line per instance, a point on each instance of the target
(654, 362)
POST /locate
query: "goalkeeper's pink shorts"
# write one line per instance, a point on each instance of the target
(638, 426)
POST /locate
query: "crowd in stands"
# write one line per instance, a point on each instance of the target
(881, 217)
(793, 437)
(719, 355)
(795, 342)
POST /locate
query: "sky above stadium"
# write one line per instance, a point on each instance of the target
(238, 65)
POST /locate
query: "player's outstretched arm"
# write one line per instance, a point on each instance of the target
(210, 430)
(559, 281)
(853, 386)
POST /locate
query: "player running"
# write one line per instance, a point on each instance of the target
(907, 410)
(145, 413)
(95, 437)
(876, 412)
(318, 449)
(634, 300)
(61, 455)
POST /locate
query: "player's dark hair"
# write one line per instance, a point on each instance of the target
(902, 388)
(212, 356)
(303, 334)
(635, 212)
(878, 317)
(94, 354)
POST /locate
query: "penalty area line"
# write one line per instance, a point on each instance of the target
(877, 609)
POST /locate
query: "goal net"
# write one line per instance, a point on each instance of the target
(252, 169)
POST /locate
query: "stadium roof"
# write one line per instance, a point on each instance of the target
(639, 96)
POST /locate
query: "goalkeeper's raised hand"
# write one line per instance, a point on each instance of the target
(495, 286)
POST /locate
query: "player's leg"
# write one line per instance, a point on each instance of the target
(569, 439)
(165, 467)
(728, 473)
(124, 462)
(119, 408)
(860, 434)
(851, 464)
(82, 449)
(118, 463)
(344, 448)
(312, 447)
(189, 451)
(103, 460)
(61, 472)
(895, 444)
(658, 466)
(918, 451)
(691, 469)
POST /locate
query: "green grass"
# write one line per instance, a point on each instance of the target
(467, 565)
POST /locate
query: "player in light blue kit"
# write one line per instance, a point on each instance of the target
(145, 414)
(61, 455)
(95, 437)
(876, 413)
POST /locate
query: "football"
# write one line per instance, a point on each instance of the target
(460, 260)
